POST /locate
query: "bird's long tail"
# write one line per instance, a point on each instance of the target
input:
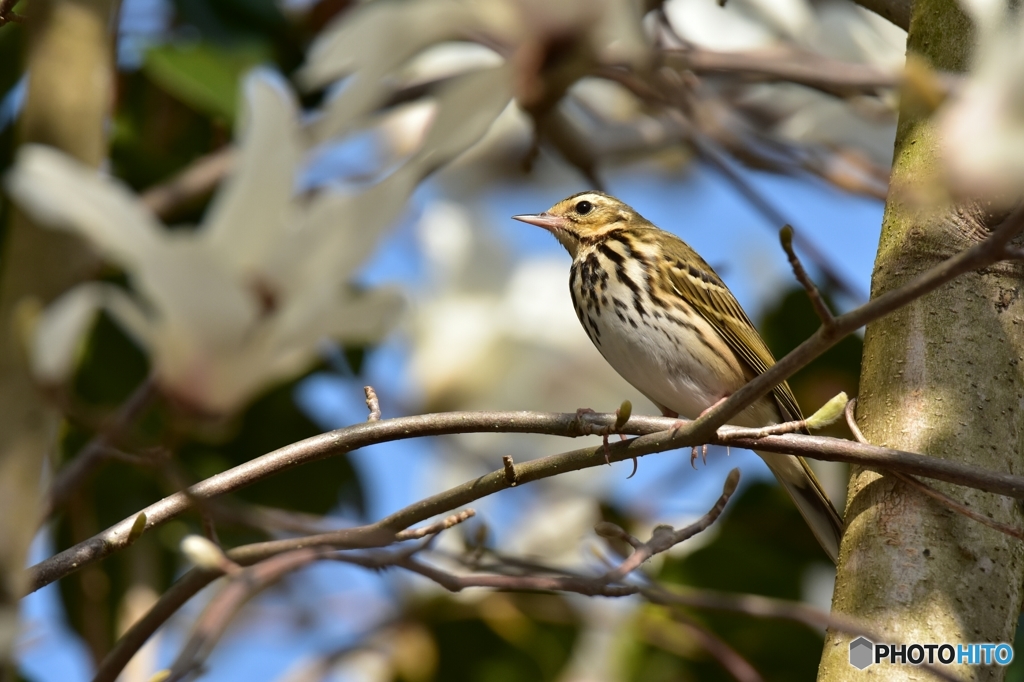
(803, 486)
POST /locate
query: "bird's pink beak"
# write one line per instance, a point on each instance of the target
(545, 220)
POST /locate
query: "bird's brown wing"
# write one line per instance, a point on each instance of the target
(698, 283)
(694, 280)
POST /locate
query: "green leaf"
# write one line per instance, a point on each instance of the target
(202, 75)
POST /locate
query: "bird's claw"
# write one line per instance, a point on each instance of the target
(587, 429)
(703, 455)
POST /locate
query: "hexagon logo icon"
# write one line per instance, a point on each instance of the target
(862, 652)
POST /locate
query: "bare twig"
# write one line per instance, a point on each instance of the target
(223, 607)
(710, 152)
(195, 181)
(607, 529)
(173, 598)
(209, 527)
(7, 13)
(372, 404)
(767, 607)
(729, 658)
(657, 434)
(510, 470)
(70, 477)
(820, 307)
(813, 70)
(665, 537)
(734, 435)
(928, 490)
(437, 527)
(662, 539)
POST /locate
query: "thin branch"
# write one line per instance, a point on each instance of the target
(727, 657)
(73, 474)
(435, 528)
(710, 152)
(820, 307)
(747, 604)
(190, 584)
(767, 607)
(813, 70)
(664, 538)
(928, 490)
(876, 457)
(197, 180)
(732, 436)
(173, 598)
(958, 507)
(657, 434)
(216, 617)
(7, 13)
(223, 607)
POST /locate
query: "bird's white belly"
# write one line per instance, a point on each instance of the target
(667, 372)
(673, 356)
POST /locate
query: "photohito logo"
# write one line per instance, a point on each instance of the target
(864, 653)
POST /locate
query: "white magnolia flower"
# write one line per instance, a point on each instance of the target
(982, 128)
(385, 46)
(243, 300)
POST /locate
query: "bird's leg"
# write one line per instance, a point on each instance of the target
(693, 453)
(602, 431)
(675, 415)
(703, 448)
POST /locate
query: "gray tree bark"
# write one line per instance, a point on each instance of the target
(943, 377)
(70, 61)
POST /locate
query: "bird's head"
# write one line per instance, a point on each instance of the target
(583, 219)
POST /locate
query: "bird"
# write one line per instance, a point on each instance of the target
(668, 324)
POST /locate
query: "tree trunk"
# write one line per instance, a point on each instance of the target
(943, 377)
(70, 60)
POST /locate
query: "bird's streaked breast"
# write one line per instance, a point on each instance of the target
(658, 343)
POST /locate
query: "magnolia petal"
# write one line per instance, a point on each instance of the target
(366, 316)
(62, 328)
(372, 43)
(619, 36)
(386, 31)
(62, 193)
(348, 316)
(201, 307)
(249, 215)
(467, 105)
(342, 230)
(291, 345)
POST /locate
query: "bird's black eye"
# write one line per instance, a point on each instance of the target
(584, 207)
